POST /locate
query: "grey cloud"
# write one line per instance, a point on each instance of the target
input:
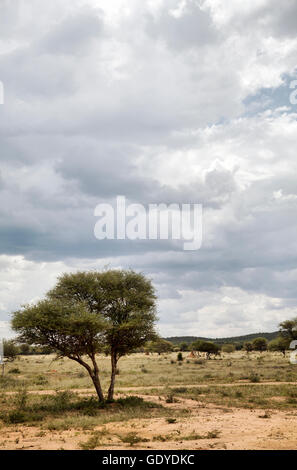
(73, 34)
(191, 29)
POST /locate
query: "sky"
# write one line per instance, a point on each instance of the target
(161, 101)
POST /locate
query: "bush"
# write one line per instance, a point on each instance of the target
(254, 378)
(134, 401)
(14, 371)
(171, 420)
(10, 350)
(93, 441)
(180, 357)
(260, 344)
(15, 417)
(40, 380)
(132, 438)
(228, 348)
(21, 399)
(170, 398)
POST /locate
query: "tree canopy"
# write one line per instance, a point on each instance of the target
(288, 329)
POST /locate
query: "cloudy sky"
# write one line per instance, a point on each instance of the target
(184, 101)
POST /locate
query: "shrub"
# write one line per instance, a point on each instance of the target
(132, 438)
(180, 357)
(170, 398)
(93, 441)
(134, 401)
(228, 348)
(14, 371)
(171, 420)
(21, 399)
(40, 380)
(10, 350)
(254, 378)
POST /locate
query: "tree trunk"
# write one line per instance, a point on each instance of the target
(96, 382)
(113, 374)
(94, 373)
(95, 378)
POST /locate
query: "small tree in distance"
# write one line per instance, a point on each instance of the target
(260, 344)
(159, 345)
(248, 347)
(10, 350)
(288, 329)
(280, 344)
(228, 348)
(207, 347)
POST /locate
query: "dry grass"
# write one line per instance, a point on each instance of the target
(42, 372)
(175, 394)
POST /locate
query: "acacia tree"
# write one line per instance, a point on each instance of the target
(125, 299)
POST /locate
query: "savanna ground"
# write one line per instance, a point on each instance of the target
(237, 401)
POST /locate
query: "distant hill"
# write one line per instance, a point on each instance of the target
(231, 339)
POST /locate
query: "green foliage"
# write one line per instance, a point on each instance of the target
(132, 438)
(125, 299)
(10, 350)
(171, 420)
(248, 346)
(159, 346)
(260, 344)
(135, 402)
(288, 329)
(279, 344)
(93, 442)
(15, 370)
(180, 357)
(67, 326)
(206, 346)
(228, 348)
(170, 398)
(254, 378)
(25, 349)
(21, 399)
(220, 341)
